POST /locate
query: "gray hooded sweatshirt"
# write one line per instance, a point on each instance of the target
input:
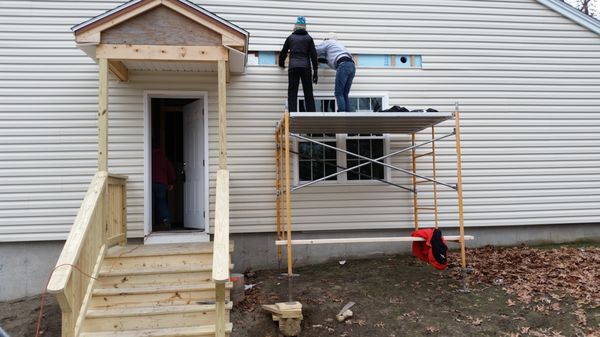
(333, 50)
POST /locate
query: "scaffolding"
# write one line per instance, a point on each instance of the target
(301, 125)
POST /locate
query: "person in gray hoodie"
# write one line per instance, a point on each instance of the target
(340, 59)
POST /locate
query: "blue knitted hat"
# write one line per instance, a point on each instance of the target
(300, 23)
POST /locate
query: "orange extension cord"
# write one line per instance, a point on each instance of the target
(45, 292)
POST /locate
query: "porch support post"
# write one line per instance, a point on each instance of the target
(102, 114)
(222, 114)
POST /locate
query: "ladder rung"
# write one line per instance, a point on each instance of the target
(423, 182)
(424, 154)
(426, 208)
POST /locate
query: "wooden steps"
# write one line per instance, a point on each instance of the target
(133, 312)
(154, 291)
(207, 330)
(136, 290)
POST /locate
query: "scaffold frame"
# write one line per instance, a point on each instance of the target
(293, 126)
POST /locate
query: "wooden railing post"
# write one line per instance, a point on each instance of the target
(221, 238)
(220, 273)
(220, 309)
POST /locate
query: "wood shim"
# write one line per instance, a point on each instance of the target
(366, 240)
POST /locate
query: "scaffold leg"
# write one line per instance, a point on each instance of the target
(459, 188)
(287, 193)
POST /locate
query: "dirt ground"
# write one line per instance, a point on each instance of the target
(19, 318)
(400, 296)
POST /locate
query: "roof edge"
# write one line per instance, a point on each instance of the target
(105, 14)
(573, 14)
(187, 3)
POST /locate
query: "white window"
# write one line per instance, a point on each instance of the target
(315, 161)
(357, 103)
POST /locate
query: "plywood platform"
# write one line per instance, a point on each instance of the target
(365, 122)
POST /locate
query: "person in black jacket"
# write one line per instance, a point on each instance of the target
(302, 54)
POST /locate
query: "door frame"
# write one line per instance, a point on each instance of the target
(148, 96)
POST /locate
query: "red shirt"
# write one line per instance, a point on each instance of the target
(162, 169)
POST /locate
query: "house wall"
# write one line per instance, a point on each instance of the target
(527, 79)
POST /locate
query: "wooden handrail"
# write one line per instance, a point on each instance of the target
(72, 249)
(220, 272)
(99, 224)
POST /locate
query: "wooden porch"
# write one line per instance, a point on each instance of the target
(104, 286)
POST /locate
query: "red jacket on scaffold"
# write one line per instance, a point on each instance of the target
(433, 250)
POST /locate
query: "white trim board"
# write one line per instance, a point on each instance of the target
(148, 95)
(176, 237)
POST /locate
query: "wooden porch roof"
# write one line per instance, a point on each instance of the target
(162, 32)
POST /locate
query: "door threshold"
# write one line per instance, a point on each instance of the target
(182, 236)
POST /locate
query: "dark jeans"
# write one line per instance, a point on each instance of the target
(294, 77)
(159, 202)
(343, 82)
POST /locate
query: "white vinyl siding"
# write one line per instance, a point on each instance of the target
(527, 79)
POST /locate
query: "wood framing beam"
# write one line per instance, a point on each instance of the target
(366, 240)
(227, 73)
(222, 78)
(162, 53)
(103, 114)
(119, 70)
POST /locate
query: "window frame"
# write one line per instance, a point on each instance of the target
(341, 143)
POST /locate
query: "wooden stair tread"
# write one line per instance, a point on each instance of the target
(114, 271)
(151, 310)
(162, 250)
(156, 289)
(205, 330)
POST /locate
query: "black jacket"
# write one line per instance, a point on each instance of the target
(302, 51)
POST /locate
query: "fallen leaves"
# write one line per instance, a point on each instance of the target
(431, 330)
(581, 317)
(538, 275)
(395, 300)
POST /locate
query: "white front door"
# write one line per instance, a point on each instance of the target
(193, 155)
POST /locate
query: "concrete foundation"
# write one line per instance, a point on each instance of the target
(258, 251)
(24, 267)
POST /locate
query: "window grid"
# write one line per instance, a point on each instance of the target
(316, 161)
(368, 147)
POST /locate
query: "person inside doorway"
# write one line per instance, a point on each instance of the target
(339, 59)
(163, 181)
(303, 54)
